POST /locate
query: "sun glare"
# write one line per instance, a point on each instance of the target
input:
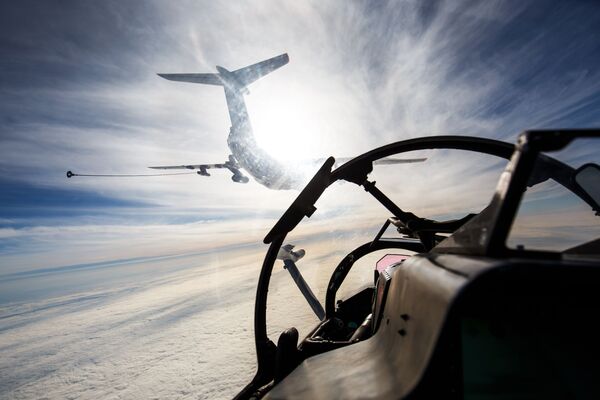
(284, 125)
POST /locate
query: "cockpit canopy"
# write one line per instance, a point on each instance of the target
(545, 207)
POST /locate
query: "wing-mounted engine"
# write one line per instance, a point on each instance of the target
(203, 170)
(233, 166)
(238, 177)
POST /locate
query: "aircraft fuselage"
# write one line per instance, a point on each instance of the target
(265, 169)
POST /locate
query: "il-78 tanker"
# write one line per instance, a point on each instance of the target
(246, 154)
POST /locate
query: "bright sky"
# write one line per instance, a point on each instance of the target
(79, 91)
(138, 288)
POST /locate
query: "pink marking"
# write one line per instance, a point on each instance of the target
(389, 259)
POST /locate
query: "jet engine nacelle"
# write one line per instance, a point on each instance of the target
(203, 172)
(239, 178)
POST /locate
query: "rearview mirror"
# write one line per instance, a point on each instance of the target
(587, 179)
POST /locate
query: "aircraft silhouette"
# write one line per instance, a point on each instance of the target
(246, 154)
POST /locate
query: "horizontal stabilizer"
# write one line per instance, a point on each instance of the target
(237, 79)
(249, 74)
(207, 79)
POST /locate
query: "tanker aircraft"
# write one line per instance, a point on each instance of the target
(246, 154)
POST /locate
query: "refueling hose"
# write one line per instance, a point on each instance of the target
(70, 174)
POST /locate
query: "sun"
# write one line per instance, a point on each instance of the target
(284, 125)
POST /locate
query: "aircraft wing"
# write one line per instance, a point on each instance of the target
(391, 161)
(207, 79)
(249, 74)
(202, 168)
(383, 161)
(191, 166)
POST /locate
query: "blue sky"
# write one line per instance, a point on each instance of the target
(79, 90)
(130, 287)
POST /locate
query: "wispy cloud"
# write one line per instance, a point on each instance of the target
(79, 91)
(152, 275)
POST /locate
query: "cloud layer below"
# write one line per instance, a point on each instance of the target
(118, 287)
